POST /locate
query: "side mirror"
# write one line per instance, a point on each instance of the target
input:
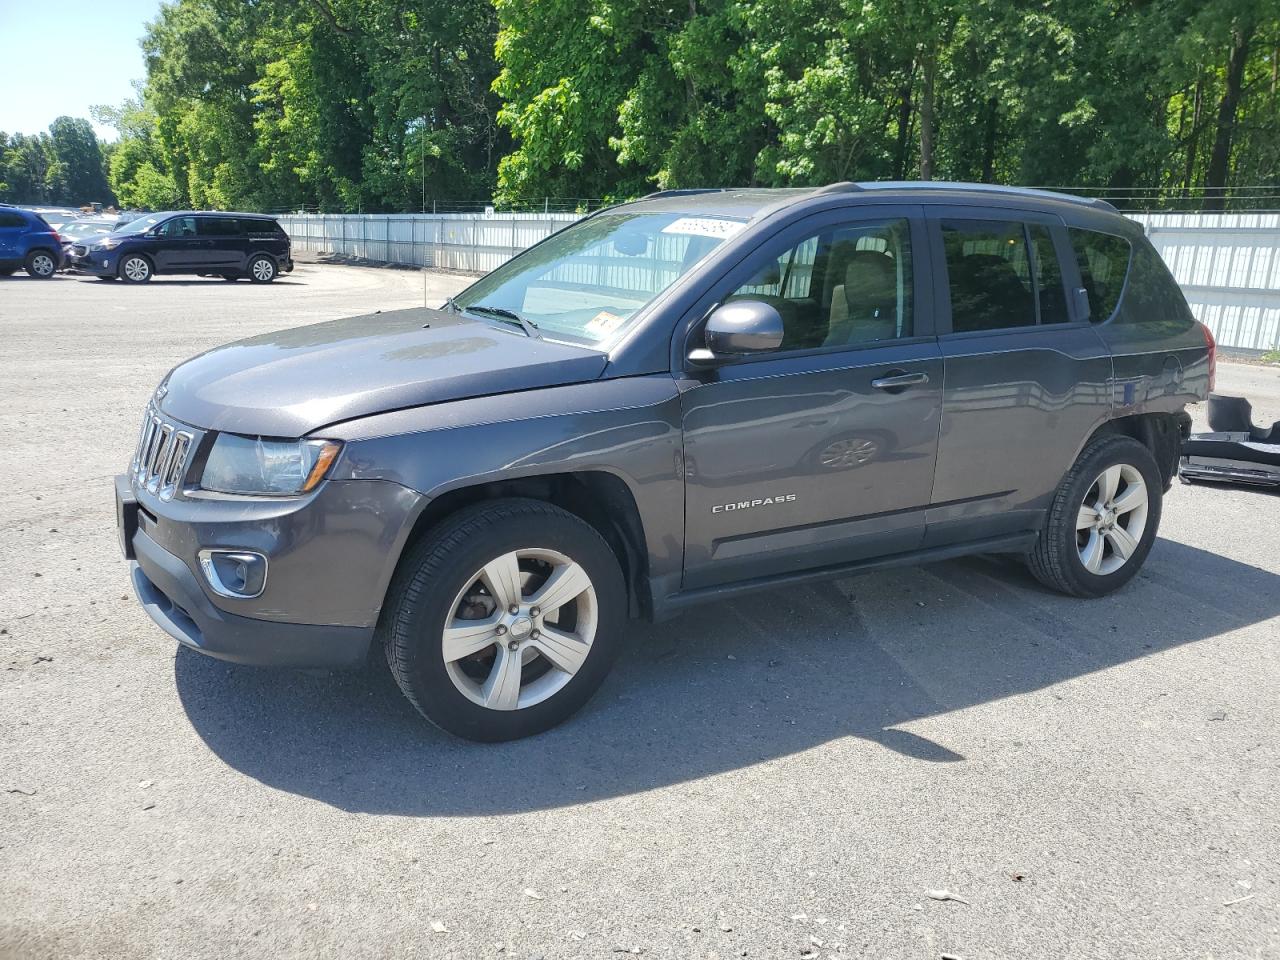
(738, 329)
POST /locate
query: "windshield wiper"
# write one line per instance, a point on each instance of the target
(502, 313)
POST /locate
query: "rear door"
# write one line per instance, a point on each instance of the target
(1026, 375)
(814, 454)
(225, 242)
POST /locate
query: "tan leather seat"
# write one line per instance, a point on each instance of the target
(865, 307)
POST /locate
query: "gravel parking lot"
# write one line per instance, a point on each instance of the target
(801, 773)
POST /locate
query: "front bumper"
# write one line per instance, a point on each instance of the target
(331, 556)
(174, 599)
(99, 264)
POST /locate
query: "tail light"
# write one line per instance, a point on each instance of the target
(1213, 355)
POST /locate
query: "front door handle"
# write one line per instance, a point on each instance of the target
(899, 381)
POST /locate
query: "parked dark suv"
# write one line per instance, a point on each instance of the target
(684, 398)
(229, 245)
(27, 242)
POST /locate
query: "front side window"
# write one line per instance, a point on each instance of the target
(180, 227)
(842, 287)
(585, 283)
(1104, 262)
(1001, 275)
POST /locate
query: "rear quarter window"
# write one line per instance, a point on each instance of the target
(261, 228)
(1104, 264)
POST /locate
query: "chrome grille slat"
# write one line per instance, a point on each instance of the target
(160, 463)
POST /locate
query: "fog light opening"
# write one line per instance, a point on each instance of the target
(238, 574)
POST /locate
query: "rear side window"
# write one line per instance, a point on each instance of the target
(1104, 263)
(218, 227)
(990, 276)
(12, 220)
(1051, 295)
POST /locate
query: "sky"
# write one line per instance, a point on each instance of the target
(63, 56)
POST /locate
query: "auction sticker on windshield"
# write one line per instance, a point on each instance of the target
(604, 323)
(705, 227)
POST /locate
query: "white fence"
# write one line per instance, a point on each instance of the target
(452, 241)
(1228, 264)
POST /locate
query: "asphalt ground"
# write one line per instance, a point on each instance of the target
(800, 773)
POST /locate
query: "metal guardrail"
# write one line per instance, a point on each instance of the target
(1228, 264)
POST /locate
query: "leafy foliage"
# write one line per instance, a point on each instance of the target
(393, 104)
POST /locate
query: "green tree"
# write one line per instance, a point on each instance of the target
(79, 162)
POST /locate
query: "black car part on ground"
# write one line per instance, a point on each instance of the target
(1236, 450)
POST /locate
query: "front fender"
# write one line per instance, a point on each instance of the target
(628, 427)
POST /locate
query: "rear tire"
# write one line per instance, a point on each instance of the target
(262, 269)
(135, 268)
(41, 264)
(1103, 520)
(465, 636)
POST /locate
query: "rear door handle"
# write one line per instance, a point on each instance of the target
(897, 381)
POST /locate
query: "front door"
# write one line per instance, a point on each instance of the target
(178, 249)
(822, 452)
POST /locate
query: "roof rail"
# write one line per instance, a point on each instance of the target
(844, 186)
(683, 192)
(985, 188)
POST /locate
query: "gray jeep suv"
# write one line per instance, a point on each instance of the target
(683, 398)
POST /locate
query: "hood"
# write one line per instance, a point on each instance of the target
(293, 382)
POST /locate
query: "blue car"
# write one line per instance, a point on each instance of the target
(227, 245)
(28, 243)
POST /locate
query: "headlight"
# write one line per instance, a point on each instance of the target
(272, 467)
(110, 243)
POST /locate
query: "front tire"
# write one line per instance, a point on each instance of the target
(262, 269)
(40, 264)
(1103, 520)
(504, 620)
(135, 268)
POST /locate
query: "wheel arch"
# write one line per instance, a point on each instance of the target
(599, 497)
(1160, 433)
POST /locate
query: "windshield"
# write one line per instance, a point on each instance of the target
(142, 224)
(585, 283)
(75, 229)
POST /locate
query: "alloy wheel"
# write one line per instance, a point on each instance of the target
(42, 265)
(263, 269)
(136, 269)
(1112, 519)
(521, 629)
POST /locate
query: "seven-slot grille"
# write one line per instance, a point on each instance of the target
(163, 452)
